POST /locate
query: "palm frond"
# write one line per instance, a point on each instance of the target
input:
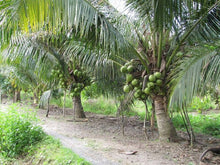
(186, 79)
(211, 71)
(70, 16)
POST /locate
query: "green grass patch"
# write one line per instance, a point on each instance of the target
(18, 131)
(108, 106)
(51, 151)
(48, 152)
(202, 103)
(100, 106)
(206, 124)
(22, 141)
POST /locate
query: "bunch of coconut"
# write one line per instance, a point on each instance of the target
(82, 77)
(76, 89)
(154, 84)
(57, 73)
(81, 81)
(133, 82)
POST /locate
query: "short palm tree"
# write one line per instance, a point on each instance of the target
(160, 30)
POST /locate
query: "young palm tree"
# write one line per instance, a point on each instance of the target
(161, 29)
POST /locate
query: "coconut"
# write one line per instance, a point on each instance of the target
(147, 91)
(152, 78)
(159, 82)
(129, 78)
(130, 68)
(150, 85)
(134, 82)
(136, 95)
(126, 88)
(157, 75)
(143, 96)
(123, 69)
(75, 72)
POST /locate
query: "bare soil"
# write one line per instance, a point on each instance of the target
(100, 140)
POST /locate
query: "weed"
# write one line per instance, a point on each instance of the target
(50, 151)
(18, 132)
(201, 104)
(20, 136)
(206, 124)
(102, 106)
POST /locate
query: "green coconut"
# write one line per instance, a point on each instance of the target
(157, 75)
(129, 78)
(123, 69)
(147, 91)
(134, 82)
(152, 78)
(130, 68)
(159, 82)
(150, 85)
(126, 89)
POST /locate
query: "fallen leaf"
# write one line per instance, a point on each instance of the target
(128, 152)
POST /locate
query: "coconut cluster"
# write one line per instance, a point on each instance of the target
(134, 82)
(75, 81)
(58, 74)
(82, 80)
(154, 84)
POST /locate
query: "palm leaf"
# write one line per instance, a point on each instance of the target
(77, 16)
(187, 80)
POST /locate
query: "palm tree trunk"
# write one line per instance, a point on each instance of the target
(17, 96)
(78, 109)
(166, 129)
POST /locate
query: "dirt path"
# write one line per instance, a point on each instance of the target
(100, 141)
(76, 145)
(101, 150)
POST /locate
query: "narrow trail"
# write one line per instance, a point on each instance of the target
(76, 146)
(97, 150)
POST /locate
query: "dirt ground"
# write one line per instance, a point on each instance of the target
(102, 136)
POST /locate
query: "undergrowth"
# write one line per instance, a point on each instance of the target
(201, 104)
(50, 151)
(206, 124)
(18, 131)
(22, 141)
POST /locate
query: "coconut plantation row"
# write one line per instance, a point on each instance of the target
(154, 64)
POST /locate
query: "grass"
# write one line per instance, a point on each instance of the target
(22, 141)
(102, 106)
(48, 152)
(206, 124)
(201, 104)
(108, 107)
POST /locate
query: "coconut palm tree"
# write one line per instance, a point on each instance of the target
(160, 30)
(57, 70)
